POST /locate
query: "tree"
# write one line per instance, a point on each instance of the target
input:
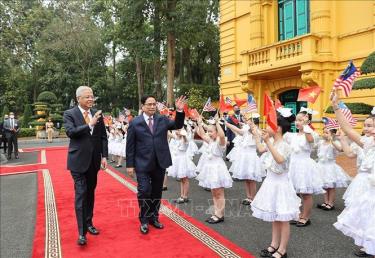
(27, 113)
(5, 111)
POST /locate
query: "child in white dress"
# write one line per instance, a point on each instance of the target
(359, 184)
(333, 175)
(303, 171)
(213, 172)
(247, 165)
(118, 147)
(358, 218)
(182, 165)
(190, 134)
(276, 200)
(111, 144)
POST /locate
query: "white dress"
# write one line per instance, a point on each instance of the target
(111, 144)
(117, 145)
(123, 147)
(358, 218)
(247, 165)
(333, 175)
(303, 170)
(359, 184)
(213, 172)
(202, 159)
(192, 149)
(232, 155)
(182, 165)
(276, 199)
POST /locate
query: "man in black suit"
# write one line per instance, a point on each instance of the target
(12, 128)
(88, 150)
(148, 155)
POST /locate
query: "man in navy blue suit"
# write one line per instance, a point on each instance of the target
(148, 155)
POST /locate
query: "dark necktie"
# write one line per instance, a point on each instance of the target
(151, 125)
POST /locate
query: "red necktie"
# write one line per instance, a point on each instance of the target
(151, 125)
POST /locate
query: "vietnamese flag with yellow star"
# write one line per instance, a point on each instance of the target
(309, 94)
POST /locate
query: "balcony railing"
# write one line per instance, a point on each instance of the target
(280, 54)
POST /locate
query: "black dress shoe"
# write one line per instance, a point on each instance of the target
(144, 229)
(92, 230)
(82, 240)
(156, 224)
(9, 157)
(165, 188)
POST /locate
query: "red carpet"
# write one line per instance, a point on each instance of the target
(116, 216)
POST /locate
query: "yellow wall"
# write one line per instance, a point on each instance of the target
(254, 61)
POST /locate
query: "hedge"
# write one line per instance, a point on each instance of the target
(368, 65)
(37, 123)
(47, 96)
(368, 83)
(356, 108)
(27, 132)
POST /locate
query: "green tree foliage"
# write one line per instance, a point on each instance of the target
(117, 47)
(5, 111)
(355, 108)
(27, 114)
(47, 97)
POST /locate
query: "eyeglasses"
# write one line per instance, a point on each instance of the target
(150, 104)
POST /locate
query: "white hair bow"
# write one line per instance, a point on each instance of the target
(285, 112)
(373, 111)
(255, 115)
(309, 111)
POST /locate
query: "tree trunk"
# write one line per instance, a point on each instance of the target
(140, 82)
(114, 65)
(181, 74)
(171, 62)
(157, 54)
(171, 50)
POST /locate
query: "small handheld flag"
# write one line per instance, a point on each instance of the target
(346, 79)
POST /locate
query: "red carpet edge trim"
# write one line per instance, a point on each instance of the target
(196, 232)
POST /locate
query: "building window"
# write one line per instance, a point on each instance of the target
(293, 18)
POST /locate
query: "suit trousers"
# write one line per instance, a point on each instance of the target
(150, 186)
(12, 145)
(4, 142)
(84, 186)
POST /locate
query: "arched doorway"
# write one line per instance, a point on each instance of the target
(289, 100)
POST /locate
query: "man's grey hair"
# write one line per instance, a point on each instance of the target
(80, 89)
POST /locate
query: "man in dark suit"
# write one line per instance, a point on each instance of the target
(88, 150)
(234, 119)
(12, 127)
(148, 155)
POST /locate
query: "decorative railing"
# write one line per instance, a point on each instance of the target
(289, 50)
(276, 54)
(259, 57)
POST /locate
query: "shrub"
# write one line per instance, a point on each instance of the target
(26, 132)
(27, 114)
(356, 108)
(368, 83)
(368, 65)
(47, 96)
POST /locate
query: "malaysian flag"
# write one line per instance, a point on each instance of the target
(251, 104)
(346, 79)
(160, 106)
(347, 114)
(228, 100)
(330, 123)
(208, 106)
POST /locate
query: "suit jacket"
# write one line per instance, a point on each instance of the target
(84, 147)
(144, 149)
(234, 121)
(7, 127)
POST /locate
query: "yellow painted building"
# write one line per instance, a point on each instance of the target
(280, 46)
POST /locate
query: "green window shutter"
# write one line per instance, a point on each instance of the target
(302, 16)
(281, 23)
(289, 20)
